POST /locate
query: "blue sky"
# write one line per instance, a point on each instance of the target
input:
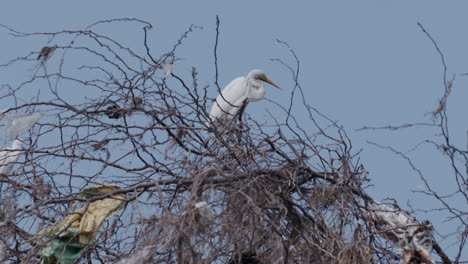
(363, 63)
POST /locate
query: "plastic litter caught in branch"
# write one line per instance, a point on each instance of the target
(2, 112)
(167, 70)
(19, 123)
(205, 210)
(414, 239)
(140, 256)
(9, 157)
(71, 235)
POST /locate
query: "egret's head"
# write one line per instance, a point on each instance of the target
(260, 75)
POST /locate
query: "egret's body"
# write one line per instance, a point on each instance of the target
(9, 157)
(236, 95)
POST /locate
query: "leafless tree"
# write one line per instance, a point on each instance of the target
(290, 189)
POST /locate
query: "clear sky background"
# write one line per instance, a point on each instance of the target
(363, 63)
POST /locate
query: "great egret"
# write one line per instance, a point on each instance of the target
(9, 157)
(236, 95)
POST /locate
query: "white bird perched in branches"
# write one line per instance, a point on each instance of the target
(236, 95)
(9, 157)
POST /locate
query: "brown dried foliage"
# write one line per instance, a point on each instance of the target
(278, 190)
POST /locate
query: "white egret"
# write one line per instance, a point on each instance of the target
(9, 157)
(236, 95)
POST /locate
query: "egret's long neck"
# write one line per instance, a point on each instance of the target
(257, 91)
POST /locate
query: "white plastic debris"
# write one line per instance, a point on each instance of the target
(167, 70)
(9, 157)
(134, 103)
(3, 111)
(19, 123)
(413, 239)
(201, 204)
(140, 256)
(204, 209)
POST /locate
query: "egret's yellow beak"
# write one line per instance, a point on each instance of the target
(272, 83)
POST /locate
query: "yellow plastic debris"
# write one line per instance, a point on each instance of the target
(78, 229)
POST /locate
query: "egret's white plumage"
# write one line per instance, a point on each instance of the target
(238, 92)
(9, 157)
